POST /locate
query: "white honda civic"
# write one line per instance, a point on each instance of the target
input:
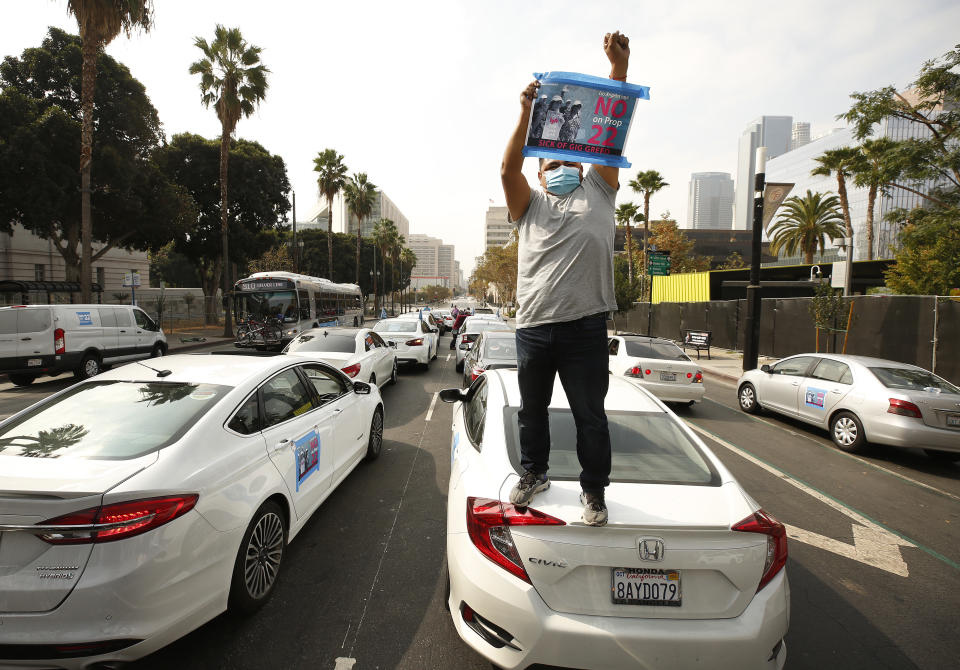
(141, 503)
(688, 571)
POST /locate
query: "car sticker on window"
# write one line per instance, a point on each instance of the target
(453, 447)
(306, 454)
(814, 397)
(84, 319)
(305, 407)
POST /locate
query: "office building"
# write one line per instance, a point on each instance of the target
(435, 266)
(800, 136)
(345, 222)
(710, 202)
(772, 132)
(496, 228)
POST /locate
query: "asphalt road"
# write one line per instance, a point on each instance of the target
(874, 559)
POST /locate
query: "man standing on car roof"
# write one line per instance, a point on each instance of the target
(565, 290)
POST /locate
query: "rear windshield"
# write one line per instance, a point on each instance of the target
(24, 321)
(500, 348)
(661, 350)
(110, 420)
(401, 326)
(480, 326)
(913, 380)
(346, 344)
(647, 447)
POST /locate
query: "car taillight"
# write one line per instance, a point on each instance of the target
(763, 523)
(488, 524)
(904, 408)
(114, 522)
(476, 372)
(634, 372)
(59, 341)
(414, 343)
(351, 370)
(698, 378)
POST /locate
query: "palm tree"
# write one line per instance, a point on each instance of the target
(381, 239)
(331, 178)
(839, 162)
(647, 183)
(805, 224)
(625, 214)
(396, 246)
(407, 259)
(360, 195)
(100, 21)
(234, 81)
(872, 170)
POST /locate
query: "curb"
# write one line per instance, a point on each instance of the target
(721, 375)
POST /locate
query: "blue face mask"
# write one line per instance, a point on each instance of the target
(562, 180)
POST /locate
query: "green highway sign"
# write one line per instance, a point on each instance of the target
(659, 272)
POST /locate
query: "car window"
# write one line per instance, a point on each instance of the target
(614, 346)
(500, 348)
(793, 366)
(108, 318)
(34, 320)
(284, 397)
(143, 417)
(328, 385)
(667, 351)
(123, 318)
(396, 326)
(141, 319)
(322, 341)
(913, 380)
(247, 419)
(377, 340)
(8, 322)
(833, 371)
(368, 343)
(475, 411)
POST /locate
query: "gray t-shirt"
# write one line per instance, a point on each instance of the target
(565, 259)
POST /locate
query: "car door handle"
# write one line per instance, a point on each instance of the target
(836, 391)
(122, 331)
(25, 339)
(337, 410)
(795, 383)
(282, 444)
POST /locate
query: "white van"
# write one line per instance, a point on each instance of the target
(40, 340)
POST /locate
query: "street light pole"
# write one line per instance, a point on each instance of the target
(296, 253)
(751, 344)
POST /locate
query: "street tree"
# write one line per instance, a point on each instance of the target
(360, 195)
(234, 82)
(396, 248)
(874, 170)
(647, 183)
(626, 213)
(384, 232)
(100, 21)
(134, 206)
(928, 261)
(331, 179)
(258, 203)
(498, 266)
(667, 236)
(408, 259)
(839, 162)
(805, 224)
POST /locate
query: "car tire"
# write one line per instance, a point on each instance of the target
(90, 366)
(941, 456)
(157, 351)
(393, 373)
(424, 366)
(747, 398)
(258, 561)
(459, 366)
(446, 588)
(22, 380)
(373, 380)
(846, 431)
(375, 441)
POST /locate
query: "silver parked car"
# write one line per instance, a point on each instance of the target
(860, 400)
(492, 350)
(658, 365)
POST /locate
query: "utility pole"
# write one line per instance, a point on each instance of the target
(296, 249)
(752, 340)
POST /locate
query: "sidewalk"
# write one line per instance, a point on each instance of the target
(188, 339)
(724, 363)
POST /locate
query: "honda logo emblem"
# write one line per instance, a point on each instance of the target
(651, 549)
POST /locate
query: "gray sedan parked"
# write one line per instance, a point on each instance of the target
(860, 400)
(492, 350)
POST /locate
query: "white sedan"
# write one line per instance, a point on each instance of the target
(688, 571)
(141, 503)
(359, 352)
(658, 365)
(414, 339)
(470, 329)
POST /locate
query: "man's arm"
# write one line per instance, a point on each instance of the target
(617, 48)
(515, 186)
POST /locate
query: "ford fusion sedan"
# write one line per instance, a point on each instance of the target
(414, 340)
(139, 504)
(658, 365)
(688, 572)
(860, 400)
(359, 352)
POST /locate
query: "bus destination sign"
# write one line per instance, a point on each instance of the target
(266, 285)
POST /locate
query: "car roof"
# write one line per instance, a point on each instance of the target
(336, 330)
(499, 334)
(636, 337)
(226, 369)
(622, 395)
(866, 361)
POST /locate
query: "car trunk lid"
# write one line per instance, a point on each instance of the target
(666, 371)
(940, 410)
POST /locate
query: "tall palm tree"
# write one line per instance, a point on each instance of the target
(360, 195)
(626, 213)
(805, 224)
(872, 170)
(839, 162)
(234, 81)
(331, 179)
(396, 246)
(647, 183)
(407, 259)
(100, 21)
(381, 239)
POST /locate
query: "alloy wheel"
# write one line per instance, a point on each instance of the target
(264, 551)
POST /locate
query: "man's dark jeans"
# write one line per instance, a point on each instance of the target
(577, 351)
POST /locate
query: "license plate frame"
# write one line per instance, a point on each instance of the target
(953, 420)
(646, 581)
(668, 376)
(34, 362)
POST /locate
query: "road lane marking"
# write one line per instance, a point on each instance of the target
(448, 357)
(874, 544)
(432, 405)
(343, 663)
(830, 447)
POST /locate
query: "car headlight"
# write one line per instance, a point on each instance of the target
(292, 331)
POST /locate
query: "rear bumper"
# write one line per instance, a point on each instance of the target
(606, 642)
(668, 392)
(414, 355)
(52, 364)
(904, 431)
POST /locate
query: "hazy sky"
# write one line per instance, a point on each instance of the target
(422, 96)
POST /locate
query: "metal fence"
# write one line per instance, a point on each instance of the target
(921, 330)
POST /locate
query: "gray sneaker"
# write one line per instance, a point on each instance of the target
(529, 485)
(594, 509)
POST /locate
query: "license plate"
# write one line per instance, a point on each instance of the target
(645, 586)
(953, 420)
(668, 376)
(32, 362)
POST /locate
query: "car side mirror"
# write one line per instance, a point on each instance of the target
(765, 368)
(361, 388)
(434, 330)
(453, 395)
(393, 344)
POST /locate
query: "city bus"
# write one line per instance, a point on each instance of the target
(271, 308)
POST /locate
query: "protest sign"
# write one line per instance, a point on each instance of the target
(579, 117)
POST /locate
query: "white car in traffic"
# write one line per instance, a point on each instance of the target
(359, 352)
(414, 340)
(137, 505)
(470, 329)
(658, 365)
(688, 572)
